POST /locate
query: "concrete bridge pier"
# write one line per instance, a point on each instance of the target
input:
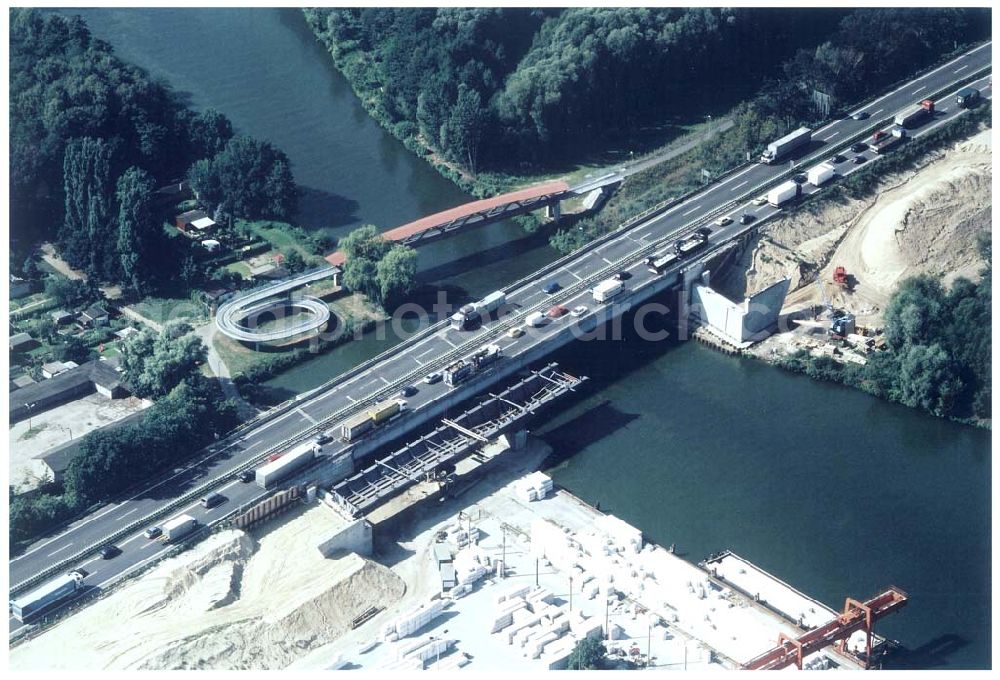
(553, 211)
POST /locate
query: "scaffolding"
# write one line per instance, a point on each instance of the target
(454, 439)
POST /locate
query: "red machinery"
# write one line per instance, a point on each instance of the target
(857, 616)
(840, 276)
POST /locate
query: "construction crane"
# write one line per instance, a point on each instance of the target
(857, 616)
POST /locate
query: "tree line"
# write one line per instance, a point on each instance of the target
(92, 136)
(495, 88)
(384, 272)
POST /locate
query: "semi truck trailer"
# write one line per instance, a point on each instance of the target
(820, 174)
(690, 244)
(177, 527)
(883, 140)
(47, 595)
(608, 289)
(913, 116)
(469, 314)
(786, 145)
(658, 263)
(783, 193)
(300, 456)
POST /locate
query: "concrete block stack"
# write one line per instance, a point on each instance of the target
(534, 487)
(411, 621)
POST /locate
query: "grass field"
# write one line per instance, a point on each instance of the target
(163, 310)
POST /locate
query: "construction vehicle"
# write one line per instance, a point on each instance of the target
(786, 145)
(840, 276)
(914, 115)
(690, 244)
(463, 369)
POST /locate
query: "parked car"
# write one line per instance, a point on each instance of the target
(213, 499)
(747, 218)
(858, 160)
(110, 551)
(432, 378)
(724, 220)
(515, 332)
(551, 287)
(557, 311)
(408, 391)
(248, 476)
(860, 115)
(152, 532)
(579, 310)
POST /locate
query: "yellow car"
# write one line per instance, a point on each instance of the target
(515, 332)
(724, 220)
(760, 200)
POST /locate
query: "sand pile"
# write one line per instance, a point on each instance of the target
(226, 604)
(922, 221)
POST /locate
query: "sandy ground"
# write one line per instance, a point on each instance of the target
(922, 221)
(50, 429)
(230, 603)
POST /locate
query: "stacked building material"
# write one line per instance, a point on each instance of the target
(534, 487)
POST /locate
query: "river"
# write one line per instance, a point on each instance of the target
(833, 491)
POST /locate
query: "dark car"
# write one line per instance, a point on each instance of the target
(747, 218)
(622, 276)
(247, 476)
(858, 147)
(213, 499)
(152, 532)
(408, 391)
(110, 551)
(858, 160)
(705, 231)
(838, 159)
(860, 115)
(551, 287)
(324, 439)
(800, 178)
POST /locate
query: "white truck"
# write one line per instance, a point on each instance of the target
(783, 193)
(536, 319)
(786, 145)
(469, 314)
(178, 527)
(820, 174)
(608, 289)
(278, 469)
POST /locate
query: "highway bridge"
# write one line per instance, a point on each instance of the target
(322, 409)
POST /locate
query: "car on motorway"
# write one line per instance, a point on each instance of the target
(858, 147)
(551, 287)
(432, 378)
(800, 178)
(579, 310)
(705, 231)
(724, 220)
(248, 476)
(837, 159)
(408, 391)
(324, 439)
(515, 332)
(110, 551)
(760, 200)
(860, 115)
(622, 276)
(152, 532)
(747, 218)
(212, 499)
(557, 311)
(858, 160)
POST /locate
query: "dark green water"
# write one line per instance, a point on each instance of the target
(835, 492)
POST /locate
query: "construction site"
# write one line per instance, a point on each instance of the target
(485, 566)
(845, 258)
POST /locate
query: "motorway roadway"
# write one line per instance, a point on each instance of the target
(415, 358)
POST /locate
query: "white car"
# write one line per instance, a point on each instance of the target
(724, 220)
(760, 200)
(515, 332)
(579, 310)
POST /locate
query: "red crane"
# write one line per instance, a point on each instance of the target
(857, 616)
